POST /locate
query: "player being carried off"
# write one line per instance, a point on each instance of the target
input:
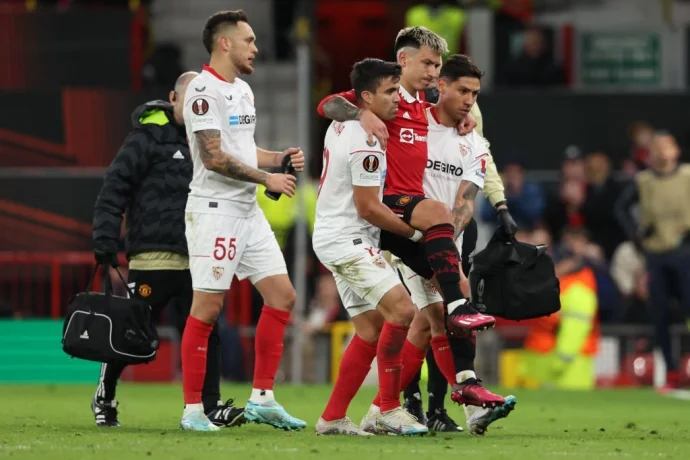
(454, 175)
(434, 253)
(349, 214)
(419, 51)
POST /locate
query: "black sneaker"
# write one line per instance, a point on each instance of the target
(440, 422)
(413, 406)
(227, 415)
(105, 412)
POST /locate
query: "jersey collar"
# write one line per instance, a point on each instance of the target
(210, 70)
(407, 96)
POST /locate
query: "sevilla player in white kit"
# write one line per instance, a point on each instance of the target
(349, 216)
(454, 174)
(226, 231)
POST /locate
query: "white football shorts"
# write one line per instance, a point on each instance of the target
(362, 277)
(422, 291)
(223, 246)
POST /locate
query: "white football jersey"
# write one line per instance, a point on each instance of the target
(451, 159)
(214, 103)
(348, 160)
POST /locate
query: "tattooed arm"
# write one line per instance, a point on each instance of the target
(216, 160)
(340, 109)
(464, 205)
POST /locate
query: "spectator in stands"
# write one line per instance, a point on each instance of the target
(662, 232)
(641, 134)
(597, 210)
(573, 166)
(576, 250)
(564, 206)
(525, 198)
(629, 273)
(446, 18)
(534, 66)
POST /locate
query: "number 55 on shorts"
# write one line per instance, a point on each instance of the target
(225, 250)
(215, 263)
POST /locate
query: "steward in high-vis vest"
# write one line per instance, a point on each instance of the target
(560, 349)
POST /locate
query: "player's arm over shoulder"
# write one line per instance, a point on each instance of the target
(340, 107)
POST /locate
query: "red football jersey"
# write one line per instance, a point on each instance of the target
(407, 149)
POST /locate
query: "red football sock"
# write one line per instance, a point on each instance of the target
(389, 360)
(353, 370)
(268, 346)
(193, 355)
(444, 357)
(412, 360)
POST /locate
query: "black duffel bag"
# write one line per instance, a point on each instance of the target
(514, 280)
(105, 328)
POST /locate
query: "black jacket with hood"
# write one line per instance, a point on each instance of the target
(149, 181)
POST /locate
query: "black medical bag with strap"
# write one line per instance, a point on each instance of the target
(514, 280)
(104, 327)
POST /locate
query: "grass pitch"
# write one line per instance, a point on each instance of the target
(55, 422)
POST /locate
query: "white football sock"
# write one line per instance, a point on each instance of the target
(191, 408)
(453, 305)
(261, 396)
(464, 375)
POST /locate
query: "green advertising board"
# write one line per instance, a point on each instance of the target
(620, 59)
(31, 352)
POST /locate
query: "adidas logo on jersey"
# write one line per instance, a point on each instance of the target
(84, 335)
(407, 115)
(178, 155)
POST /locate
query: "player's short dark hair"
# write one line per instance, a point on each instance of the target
(368, 74)
(218, 20)
(458, 66)
(416, 37)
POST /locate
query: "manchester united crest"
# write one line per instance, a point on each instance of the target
(218, 272)
(403, 200)
(144, 290)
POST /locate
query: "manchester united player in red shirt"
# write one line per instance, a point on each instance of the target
(418, 51)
